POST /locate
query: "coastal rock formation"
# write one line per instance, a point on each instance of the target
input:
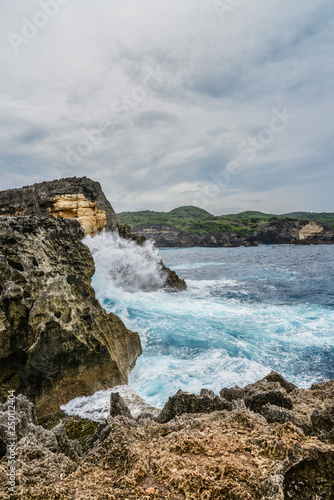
(274, 232)
(165, 236)
(73, 198)
(56, 341)
(233, 453)
(295, 231)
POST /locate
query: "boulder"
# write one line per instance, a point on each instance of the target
(118, 407)
(184, 402)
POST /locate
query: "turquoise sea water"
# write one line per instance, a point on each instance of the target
(245, 312)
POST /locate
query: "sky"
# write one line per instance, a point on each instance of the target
(222, 104)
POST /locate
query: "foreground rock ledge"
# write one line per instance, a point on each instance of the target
(56, 341)
(272, 453)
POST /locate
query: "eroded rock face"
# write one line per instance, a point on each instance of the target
(76, 206)
(310, 230)
(232, 453)
(165, 236)
(56, 341)
(74, 198)
(275, 232)
(40, 453)
(295, 231)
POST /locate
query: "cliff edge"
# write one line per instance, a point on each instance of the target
(56, 341)
(72, 198)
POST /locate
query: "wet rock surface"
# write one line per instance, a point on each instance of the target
(117, 406)
(232, 453)
(56, 341)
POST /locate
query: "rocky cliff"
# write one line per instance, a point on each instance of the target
(56, 341)
(73, 198)
(295, 231)
(267, 441)
(165, 236)
(276, 232)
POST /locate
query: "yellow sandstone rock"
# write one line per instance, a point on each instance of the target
(310, 230)
(76, 206)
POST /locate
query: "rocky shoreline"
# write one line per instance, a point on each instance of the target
(56, 341)
(269, 440)
(297, 232)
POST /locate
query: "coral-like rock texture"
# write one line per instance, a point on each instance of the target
(73, 198)
(56, 341)
(200, 448)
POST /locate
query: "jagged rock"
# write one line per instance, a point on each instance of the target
(232, 393)
(56, 341)
(25, 415)
(277, 377)
(117, 406)
(173, 281)
(184, 402)
(74, 198)
(234, 454)
(29, 434)
(255, 402)
(323, 424)
(312, 478)
(272, 381)
(273, 413)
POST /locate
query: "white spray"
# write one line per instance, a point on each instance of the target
(125, 264)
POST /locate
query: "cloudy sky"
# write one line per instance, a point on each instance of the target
(223, 104)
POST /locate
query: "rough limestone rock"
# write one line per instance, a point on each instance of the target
(56, 341)
(117, 406)
(41, 455)
(228, 454)
(74, 198)
(184, 402)
(323, 424)
(255, 402)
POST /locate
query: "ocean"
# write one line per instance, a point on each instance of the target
(246, 311)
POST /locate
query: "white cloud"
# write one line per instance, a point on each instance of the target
(217, 83)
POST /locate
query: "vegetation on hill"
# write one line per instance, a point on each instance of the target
(199, 221)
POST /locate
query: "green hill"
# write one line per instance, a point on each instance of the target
(196, 220)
